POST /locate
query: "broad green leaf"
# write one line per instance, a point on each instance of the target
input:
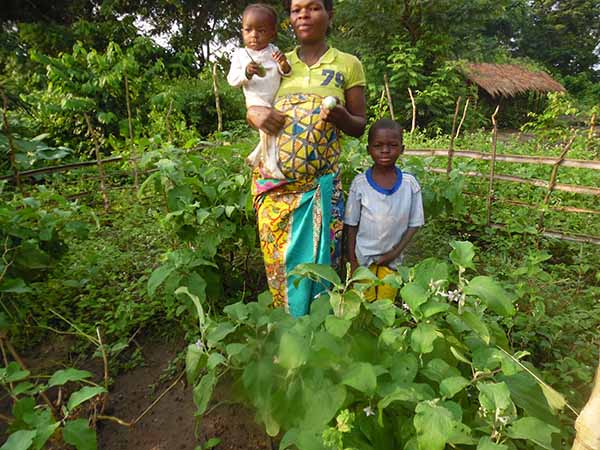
(265, 298)
(384, 310)
(195, 361)
(237, 311)
(449, 387)
(202, 392)
(405, 392)
(434, 425)
(459, 355)
(363, 274)
(316, 271)
(19, 440)
(234, 349)
(14, 285)
(78, 433)
(350, 307)
(486, 443)
(534, 430)
(414, 295)
(422, 337)
(527, 394)
(477, 325)
(432, 307)
(61, 377)
(437, 370)
(22, 388)
(293, 351)
(361, 376)
(214, 360)
(220, 332)
(492, 294)
(82, 395)
(211, 443)
(431, 270)
(337, 326)
(158, 277)
(13, 373)
(462, 254)
(44, 432)
(494, 396)
(404, 368)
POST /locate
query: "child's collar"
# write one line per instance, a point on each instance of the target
(382, 190)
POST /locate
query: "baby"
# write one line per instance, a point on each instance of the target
(258, 68)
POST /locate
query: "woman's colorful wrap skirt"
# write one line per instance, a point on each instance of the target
(300, 219)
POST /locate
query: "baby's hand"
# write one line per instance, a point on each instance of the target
(281, 61)
(252, 69)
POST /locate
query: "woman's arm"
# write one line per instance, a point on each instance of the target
(266, 119)
(351, 119)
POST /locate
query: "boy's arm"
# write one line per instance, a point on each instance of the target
(237, 72)
(395, 252)
(350, 231)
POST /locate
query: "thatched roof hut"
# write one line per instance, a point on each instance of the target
(509, 80)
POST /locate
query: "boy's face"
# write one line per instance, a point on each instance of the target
(258, 29)
(385, 147)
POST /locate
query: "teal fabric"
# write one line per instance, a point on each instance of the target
(303, 249)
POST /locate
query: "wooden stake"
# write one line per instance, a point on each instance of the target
(591, 132)
(98, 161)
(462, 120)
(552, 182)
(452, 136)
(11, 144)
(386, 83)
(492, 168)
(414, 111)
(217, 99)
(132, 151)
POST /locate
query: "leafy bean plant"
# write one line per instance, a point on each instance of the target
(210, 220)
(435, 371)
(35, 424)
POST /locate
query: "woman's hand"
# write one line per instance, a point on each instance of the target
(351, 119)
(265, 119)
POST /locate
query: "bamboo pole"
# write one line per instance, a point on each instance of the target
(520, 159)
(217, 99)
(581, 238)
(452, 136)
(11, 144)
(464, 115)
(509, 201)
(386, 83)
(131, 143)
(167, 121)
(414, 111)
(586, 190)
(98, 161)
(553, 176)
(492, 167)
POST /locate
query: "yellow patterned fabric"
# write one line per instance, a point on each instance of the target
(383, 291)
(308, 146)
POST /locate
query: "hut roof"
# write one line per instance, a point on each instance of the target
(508, 80)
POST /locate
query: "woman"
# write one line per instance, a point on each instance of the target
(300, 217)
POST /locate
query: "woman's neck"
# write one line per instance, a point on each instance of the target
(311, 53)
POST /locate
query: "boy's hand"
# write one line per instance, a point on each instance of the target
(252, 69)
(282, 62)
(387, 258)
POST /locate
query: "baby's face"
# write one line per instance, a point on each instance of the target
(258, 29)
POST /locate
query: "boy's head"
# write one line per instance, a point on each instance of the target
(385, 142)
(259, 25)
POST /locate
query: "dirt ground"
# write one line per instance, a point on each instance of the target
(170, 424)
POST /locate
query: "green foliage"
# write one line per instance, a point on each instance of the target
(35, 425)
(432, 373)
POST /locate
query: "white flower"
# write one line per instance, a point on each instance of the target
(369, 411)
(405, 306)
(199, 344)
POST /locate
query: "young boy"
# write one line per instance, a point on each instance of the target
(258, 68)
(384, 208)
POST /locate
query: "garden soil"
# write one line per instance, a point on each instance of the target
(170, 424)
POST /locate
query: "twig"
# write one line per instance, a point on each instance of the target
(130, 124)
(90, 338)
(414, 111)
(452, 136)
(462, 120)
(98, 161)
(105, 361)
(114, 419)
(159, 398)
(217, 98)
(492, 167)
(386, 83)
